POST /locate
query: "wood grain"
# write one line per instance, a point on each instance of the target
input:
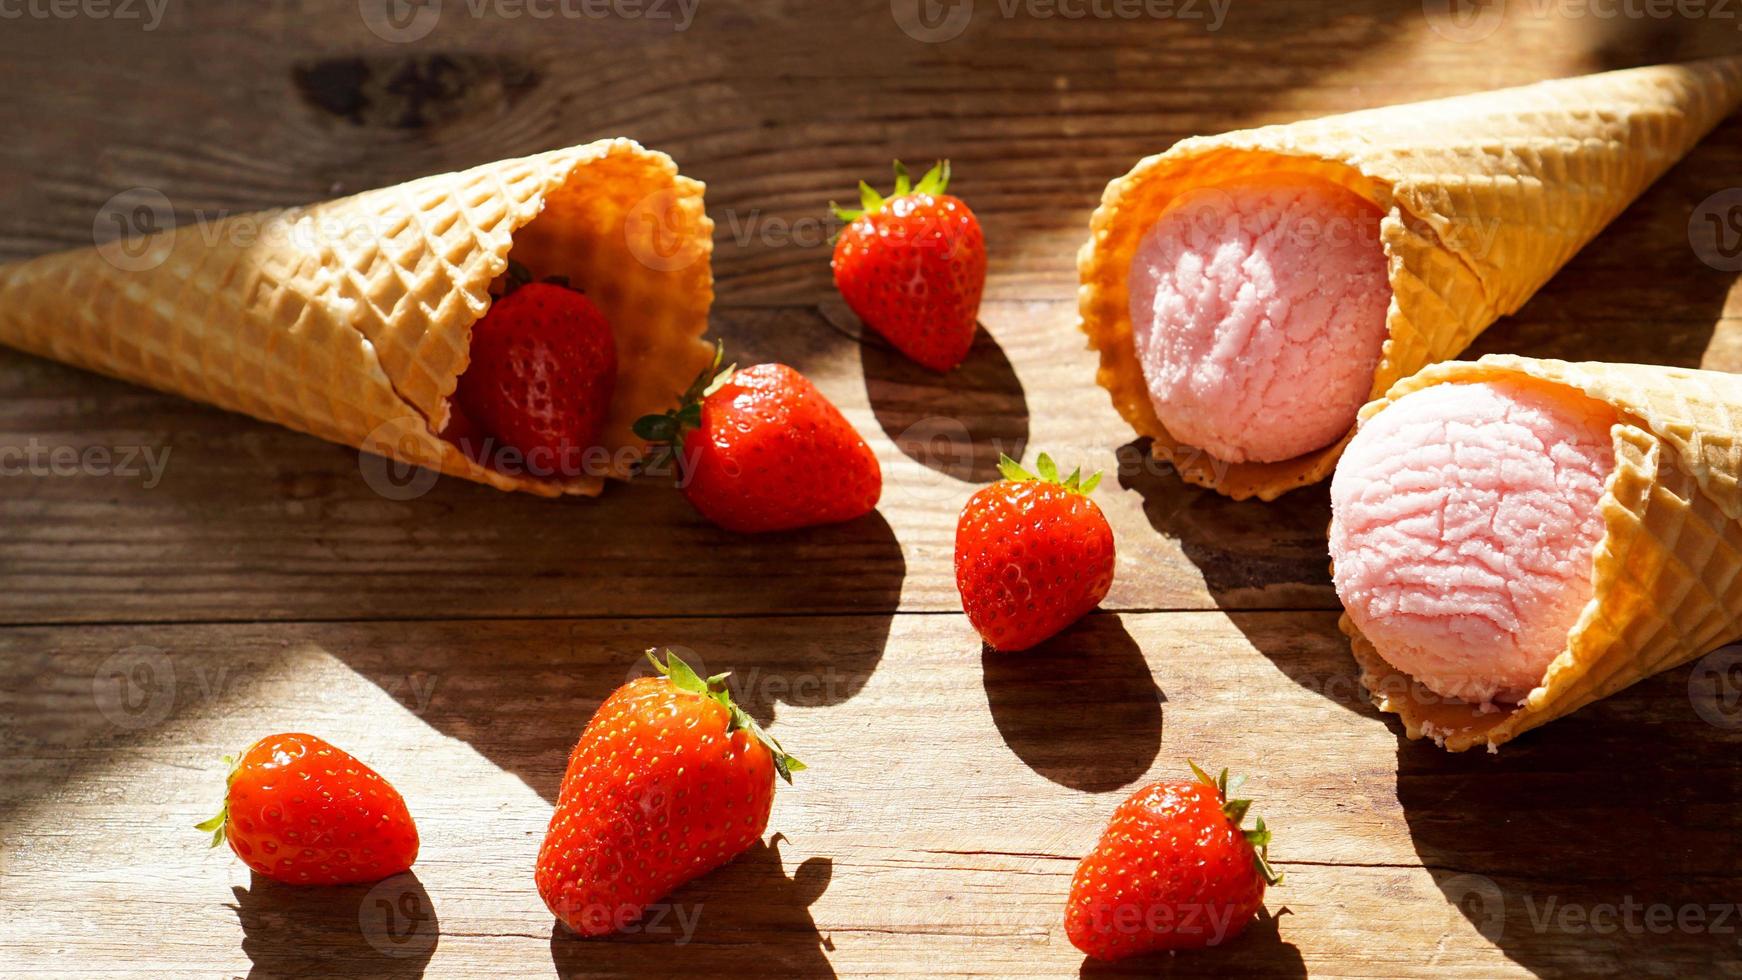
(252, 522)
(948, 799)
(458, 640)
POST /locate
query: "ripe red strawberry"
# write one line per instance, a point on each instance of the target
(467, 435)
(1033, 554)
(543, 368)
(300, 811)
(1173, 870)
(913, 266)
(669, 781)
(763, 450)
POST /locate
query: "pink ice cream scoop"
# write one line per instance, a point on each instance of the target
(1464, 521)
(1258, 309)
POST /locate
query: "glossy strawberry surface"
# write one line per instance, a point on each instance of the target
(301, 811)
(668, 782)
(771, 453)
(542, 372)
(1173, 870)
(913, 268)
(1032, 557)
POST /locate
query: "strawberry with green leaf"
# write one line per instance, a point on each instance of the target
(302, 811)
(913, 266)
(1033, 554)
(1175, 869)
(764, 450)
(670, 780)
(542, 371)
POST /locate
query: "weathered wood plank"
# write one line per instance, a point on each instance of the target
(951, 793)
(1038, 111)
(248, 521)
(949, 797)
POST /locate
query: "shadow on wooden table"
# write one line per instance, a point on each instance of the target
(1257, 952)
(520, 692)
(1252, 554)
(1257, 559)
(813, 669)
(956, 424)
(1094, 669)
(745, 919)
(385, 929)
(1606, 843)
(1623, 42)
(1638, 292)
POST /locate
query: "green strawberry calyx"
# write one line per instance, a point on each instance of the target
(665, 431)
(935, 181)
(518, 275)
(215, 826)
(1048, 472)
(684, 678)
(1258, 836)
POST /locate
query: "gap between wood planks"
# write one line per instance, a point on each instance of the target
(595, 617)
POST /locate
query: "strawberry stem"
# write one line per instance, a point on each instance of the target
(903, 183)
(684, 678)
(666, 431)
(1258, 836)
(935, 181)
(518, 275)
(1048, 473)
(215, 826)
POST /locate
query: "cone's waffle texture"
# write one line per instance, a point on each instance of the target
(351, 320)
(1484, 197)
(1667, 574)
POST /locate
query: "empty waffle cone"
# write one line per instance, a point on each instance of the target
(351, 320)
(1484, 197)
(1667, 573)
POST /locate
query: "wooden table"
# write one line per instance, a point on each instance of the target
(459, 640)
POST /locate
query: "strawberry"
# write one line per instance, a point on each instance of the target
(763, 450)
(467, 435)
(303, 812)
(543, 368)
(1173, 870)
(1033, 554)
(913, 266)
(669, 781)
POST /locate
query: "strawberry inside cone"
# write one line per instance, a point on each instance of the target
(543, 367)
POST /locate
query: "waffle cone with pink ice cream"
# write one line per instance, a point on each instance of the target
(1249, 292)
(1514, 538)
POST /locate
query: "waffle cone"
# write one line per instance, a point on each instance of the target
(1484, 197)
(1667, 573)
(351, 320)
